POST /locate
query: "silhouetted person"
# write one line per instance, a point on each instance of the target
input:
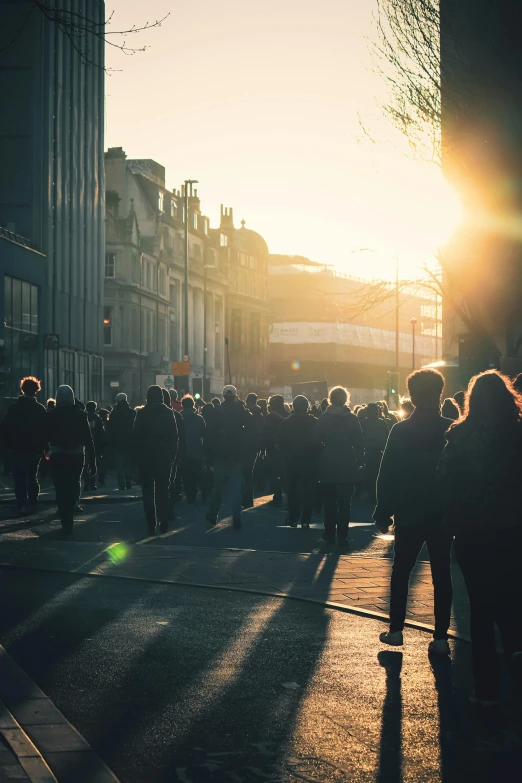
(175, 404)
(375, 431)
(98, 438)
(300, 448)
(155, 444)
(450, 409)
(192, 464)
(314, 410)
(263, 404)
(480, 471)
(407, 408)
(23, 434)
(175, 475)
(216, 402)
(388, 417)
(51, 403)
(324, 404)
(254, 443)
(339, 431)
(226, 444)
(460, 398)
(70, 447)
(407, 491)
(120, 426)
(274, 463)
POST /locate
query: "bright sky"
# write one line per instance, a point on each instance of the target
(259, 101)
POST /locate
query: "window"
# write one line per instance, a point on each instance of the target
(135, 329)
(173, 336)
(162, 281)
(110, 264)
(107, 325)
(20, 333)
(255, 332)
(205, 225)
(162, 334)
(223, 240)
(161, 202)
(135, 269)
(173, 208)
(236, 328)
(195, 220)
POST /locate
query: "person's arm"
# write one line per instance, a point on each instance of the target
(174, 436)
(387, 481)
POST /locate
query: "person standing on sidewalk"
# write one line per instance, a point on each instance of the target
(225, 447)
(407, 491)
(480, 473)
(171, 401)
(155, 445)
(300, 448)
(375, 431)
(71, 445)
(121, 422)
(339, 431)
(274, 461)
(254, 442)
(192, 465)
(23, 434)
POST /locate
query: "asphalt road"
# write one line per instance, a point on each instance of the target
(173, 683)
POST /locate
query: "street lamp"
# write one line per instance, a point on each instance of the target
(413, 323)
(205, 267)
(188, 182)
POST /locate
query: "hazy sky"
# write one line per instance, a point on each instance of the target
(259, 101)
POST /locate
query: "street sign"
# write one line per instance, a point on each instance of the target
(181, 368)
(115, 384)
(165, 381)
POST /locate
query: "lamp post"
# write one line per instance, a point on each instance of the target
(413, 323)
(205, 267)
(188, 182)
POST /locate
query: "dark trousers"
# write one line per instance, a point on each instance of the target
(408, 544)
(192, 472)
(275, 472)
(123, 467)
(337, 509)
(26, 486)
(249, 464)
(300, 493)
(66, 470)
(155, 480)
(491, 571)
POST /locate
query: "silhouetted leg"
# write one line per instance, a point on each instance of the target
(344, 504)
(220, 479)
(149, 505)
(33, 487)
(508, 594)
(439, 550)
(161, 490)
(293, 490)
(19, 468)
(190, 480)
(235, 477)
(408, 544)
(308, 496)
(330, 510)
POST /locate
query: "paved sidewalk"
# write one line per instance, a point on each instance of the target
(359, 583)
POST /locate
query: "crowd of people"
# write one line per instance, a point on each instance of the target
(443, 473)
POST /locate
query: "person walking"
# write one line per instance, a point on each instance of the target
(253, 445)
(70, 447)
(406, 491)
(176, 473)
(155, 445)
(274, 463)
(23, 435)
(98, 438)
(300, 448)
(480, 474)
(339, 431)
(175, 404)
(450, 409)
(375, 432)
(226, 444)
(192, 464)
(388, 417)
(121, 423)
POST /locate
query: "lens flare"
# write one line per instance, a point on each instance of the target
(117, 553)
(296, 365)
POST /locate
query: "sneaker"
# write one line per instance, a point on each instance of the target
(393, 638)
(236, 522)
(211, 520)
(439, 647)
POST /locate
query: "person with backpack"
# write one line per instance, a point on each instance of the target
(70, 447)
(120, 425)
(226, 437)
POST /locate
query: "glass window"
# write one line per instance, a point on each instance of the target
(161, 202)
(223, 240)
(197, 253)
(34, 309)
(17, 304)
(162, 334)
(107, 325)
(173, 208)
(110, 264)
(195, 220)
(26, 307)
(205, 225)
(162, 281)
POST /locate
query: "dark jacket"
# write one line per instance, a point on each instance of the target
(480, 479)
(272, 422)
(154, 435)
(406, 486)
(375, 433)
(195, 427)
(298, 442)
(23, 428)
(120, 425)
(67, 430)
(339, 431)
(255, 430)
(182, 437)
(97, 432)
(227, 431)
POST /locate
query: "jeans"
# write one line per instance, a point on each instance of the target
(408, 543)
(26, 486)
(155, 480)
(300, 492)
(123, 467)
(66, 470)
(192, 472)
(337, 509)
(226, 471)
(491, 571)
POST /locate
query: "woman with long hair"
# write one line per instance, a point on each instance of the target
(481, 470)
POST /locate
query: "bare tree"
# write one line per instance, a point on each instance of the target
(81, 26)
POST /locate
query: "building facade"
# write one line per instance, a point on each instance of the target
(51, 201)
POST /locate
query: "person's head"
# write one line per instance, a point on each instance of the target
(64, 396)
(51, 403)
(91, 406)
(373, 411)
(155, 395)
(384, 407)
(492, 399)
(207, 411)
(188, 402)
(324, 405)
(173, 395)
(425, 388)
(229, 393)
(121, 397)
(300, 403)
(216, 402)
(263, 405)
(517, 384)
(460, 399)
(104, 414)
(165, 397)
(361, 413)
(338, 397)
(450, 409)
(30, 386)
(276, 404)
(407, 408)
(251, 400)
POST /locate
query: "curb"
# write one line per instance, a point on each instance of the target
(346, 608)
(47, 746)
